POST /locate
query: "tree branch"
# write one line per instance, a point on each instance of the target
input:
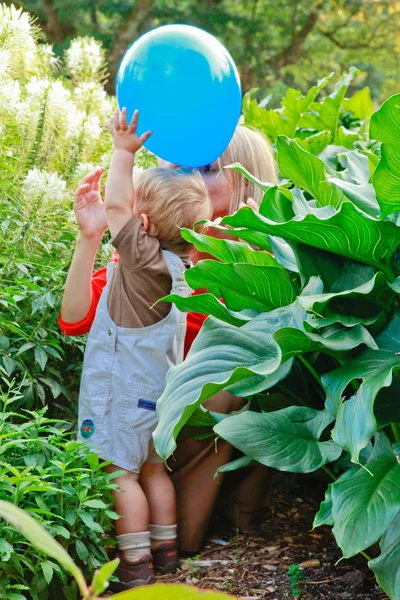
(366, 43)
(290, 54)
(129, 31)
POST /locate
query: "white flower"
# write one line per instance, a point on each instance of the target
(36, 87)
(84, 169)
(91, 128)
(91, 97)
(84, 59)
(4, 62)
(14, 19)
(75, 120)
(16, 35)
(46, 61)
(58, 95)
(49, 187)
(50, 94)
(10, 91)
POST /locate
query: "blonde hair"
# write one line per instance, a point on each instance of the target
(172, 198)
(253, 151)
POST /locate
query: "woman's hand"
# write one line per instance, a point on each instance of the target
(251, 203)
(125, 136)
(88, 206)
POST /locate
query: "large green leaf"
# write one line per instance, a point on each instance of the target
(277, 205)
(385, 127)
(377, 291)
(283, 253)
(385, 122)
(246, 360)
(360, 104)
(244, 285)
(207, 304)
(315, 143)
(324, 515)
(363, 195)
(170, 592)
(386, 180)
(285, 120)
(364, 505)
(226, 250)
(355, 418)
(325, 114)
(345, 232)
(389, 337)
(287, 439)
(308, 172)
(387, 565)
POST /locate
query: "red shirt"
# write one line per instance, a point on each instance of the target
(99, 279)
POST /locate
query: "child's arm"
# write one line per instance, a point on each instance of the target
(91, 217)
(119, 193)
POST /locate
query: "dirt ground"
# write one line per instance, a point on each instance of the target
(254, 565)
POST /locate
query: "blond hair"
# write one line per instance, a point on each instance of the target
(252, 150)
(172, 198)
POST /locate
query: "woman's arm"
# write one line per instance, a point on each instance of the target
(92, 221)
(77, 298)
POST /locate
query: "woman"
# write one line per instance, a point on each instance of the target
(243, 494)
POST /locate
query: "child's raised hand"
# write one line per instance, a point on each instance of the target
(88, 206)
(125, 136)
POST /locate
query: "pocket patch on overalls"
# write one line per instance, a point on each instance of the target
(87, 428)
(146, 404)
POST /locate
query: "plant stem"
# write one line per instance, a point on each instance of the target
(309, 366)
(365, 555)
(330, 473)
(396, 431)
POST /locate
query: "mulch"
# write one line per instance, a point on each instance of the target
(254, 565)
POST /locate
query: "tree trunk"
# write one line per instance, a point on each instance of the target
(130, 30)
(52, 26)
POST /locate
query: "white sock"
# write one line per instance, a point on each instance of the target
(134, 545)
(162, 533)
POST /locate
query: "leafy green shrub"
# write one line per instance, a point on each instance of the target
(59, 481)
(44, 542)
(311, 334)
(315, 123)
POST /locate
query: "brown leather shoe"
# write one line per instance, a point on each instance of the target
(133, 574)
(165, 558)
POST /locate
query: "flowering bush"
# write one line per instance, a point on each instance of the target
(53, 131)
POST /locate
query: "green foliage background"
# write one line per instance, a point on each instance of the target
(276, 43)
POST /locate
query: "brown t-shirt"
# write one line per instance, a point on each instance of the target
(140, 278)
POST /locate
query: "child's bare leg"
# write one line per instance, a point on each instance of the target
(132, 528)
(160, 494)
(131, 503)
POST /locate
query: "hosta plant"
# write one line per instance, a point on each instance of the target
(309, 330)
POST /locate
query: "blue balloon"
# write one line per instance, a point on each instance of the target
(187, 90)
